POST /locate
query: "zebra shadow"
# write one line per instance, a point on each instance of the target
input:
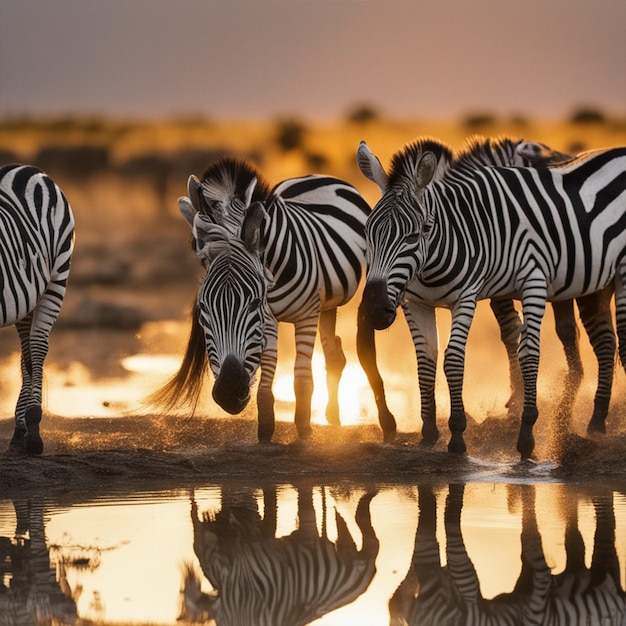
(30, 592)
(433, 594)
(263, 580)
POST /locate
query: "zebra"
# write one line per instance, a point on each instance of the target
(594, 309)
(260, 579)
(37, 231)
(490, 232)
(37, 592)
(432, 594)
(304, 244)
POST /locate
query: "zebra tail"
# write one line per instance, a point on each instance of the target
(183, 389)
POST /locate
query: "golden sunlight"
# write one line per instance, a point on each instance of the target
(355, 397)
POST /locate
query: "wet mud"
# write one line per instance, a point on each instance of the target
(150, 451)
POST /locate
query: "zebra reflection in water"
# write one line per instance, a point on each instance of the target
(30, 592)
(450, 595)
(264, 580)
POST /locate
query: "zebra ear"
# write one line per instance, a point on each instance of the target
(371, 167)
(252, 228)
(426, 168)
(249, 191)
(210, 238)
(187, 210)
(194, 190)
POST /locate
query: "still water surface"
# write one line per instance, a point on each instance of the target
(305, 553)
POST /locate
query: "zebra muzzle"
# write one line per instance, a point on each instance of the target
(232, 387)
(376, 307)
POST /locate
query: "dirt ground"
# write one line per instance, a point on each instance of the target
(149, 451)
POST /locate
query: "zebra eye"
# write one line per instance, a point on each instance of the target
(426, 228)
(255, 303)
(412, 238)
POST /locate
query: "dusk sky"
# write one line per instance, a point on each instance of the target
(260, 59)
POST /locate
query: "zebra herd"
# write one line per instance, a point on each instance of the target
(501, 219)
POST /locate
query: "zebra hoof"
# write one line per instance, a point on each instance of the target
(426, 444)
(525, 447)
(389, 436)
(457, 444)
(305, 432)
(17, 445)
(596, 427)
(430, 435)
(34, 445)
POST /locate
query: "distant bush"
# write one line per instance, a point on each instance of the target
(316, 161)
(587, 115)
(474, 121)
(73, 161)
(290, 134)
(576, 146)
(520, 120)
(8, 156)
(363, 114)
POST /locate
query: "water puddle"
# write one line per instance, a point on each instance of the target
(306, 553)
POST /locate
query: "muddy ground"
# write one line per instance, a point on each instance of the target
(151, 451)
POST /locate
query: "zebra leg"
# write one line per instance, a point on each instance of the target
(366, 351)
(423, 326)
(510, 327)
(306, 330)
(33, 332)
(533, 294)
(460, 567)
(18, 441)
(595, 313)
(620, 311)
(335, 362)
(265, 396)
(567, 331)
(454, 366)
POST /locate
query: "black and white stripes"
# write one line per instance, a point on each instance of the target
(483, 232)
(306, 240)
(37, 235)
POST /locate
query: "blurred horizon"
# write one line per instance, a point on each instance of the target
(311, 59)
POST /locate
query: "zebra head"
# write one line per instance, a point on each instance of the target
(539, 155)
(397, 230)
(225, 192)
(232, 305)
(479, 151)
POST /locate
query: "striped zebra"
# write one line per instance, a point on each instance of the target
(291, 254)
(37, 231)
(263, 580)
(433, 594)
(548, 233)
(594, 309)
(32, 590)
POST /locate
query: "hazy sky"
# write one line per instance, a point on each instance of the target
(312, 58)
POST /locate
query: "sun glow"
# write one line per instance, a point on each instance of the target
(355, 397)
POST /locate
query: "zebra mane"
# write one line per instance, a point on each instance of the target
(227, 179)
(479, 151)
(404, 162)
